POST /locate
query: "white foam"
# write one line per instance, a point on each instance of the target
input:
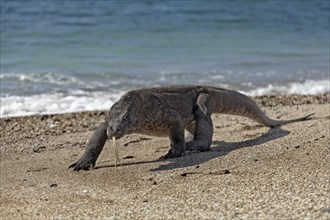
(309, 87)
(48, 77)
(56, 103)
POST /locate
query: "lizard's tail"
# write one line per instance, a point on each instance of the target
(232, 102)
(275, 123)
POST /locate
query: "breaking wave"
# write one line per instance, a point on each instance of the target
(309, 87)
(56, 103)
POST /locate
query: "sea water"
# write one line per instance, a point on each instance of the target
(66, 56)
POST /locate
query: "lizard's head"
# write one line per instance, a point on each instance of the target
(123, 118)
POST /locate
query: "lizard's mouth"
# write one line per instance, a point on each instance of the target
(117, 133)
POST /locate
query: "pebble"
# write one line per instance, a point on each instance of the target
(53, 185)
(128, 157)
(325, 209)
(220, 172)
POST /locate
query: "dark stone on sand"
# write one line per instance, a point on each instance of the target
(53, 185)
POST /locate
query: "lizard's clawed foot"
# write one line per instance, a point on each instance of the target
(200, 146)
(172, 154)
(82, 164)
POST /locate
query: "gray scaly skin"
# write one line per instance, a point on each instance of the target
(168, 111)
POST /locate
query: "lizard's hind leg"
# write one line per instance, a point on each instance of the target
(204, 127)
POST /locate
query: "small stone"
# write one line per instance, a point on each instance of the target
(128, 157)
(38, 149)
(226, 171)
(325, 209)
(53, 185)
(188, 173)
(7, 120)
(220, 172)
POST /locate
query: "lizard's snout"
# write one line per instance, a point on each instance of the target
(109, 133)
(114, 132)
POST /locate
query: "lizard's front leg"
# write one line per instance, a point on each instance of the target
(175, 130)
(93, 149)
(204, 127)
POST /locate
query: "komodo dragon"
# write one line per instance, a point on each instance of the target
(168, 111)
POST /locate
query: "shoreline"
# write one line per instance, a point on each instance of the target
(251, 172)
(59, 124)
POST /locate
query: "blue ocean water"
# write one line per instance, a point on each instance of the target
(70, 55)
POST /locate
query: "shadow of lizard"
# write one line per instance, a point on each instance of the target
(218, 149)
(222, 148)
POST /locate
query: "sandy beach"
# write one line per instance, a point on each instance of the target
(252, 172)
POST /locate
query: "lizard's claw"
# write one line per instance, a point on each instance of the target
(82, 164)
(172, 154)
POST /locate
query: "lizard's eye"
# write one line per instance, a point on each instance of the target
(125, 117)
(137, 115)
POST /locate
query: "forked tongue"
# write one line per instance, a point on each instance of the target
(116, 152)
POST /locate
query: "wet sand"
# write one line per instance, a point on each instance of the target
(252, 172)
